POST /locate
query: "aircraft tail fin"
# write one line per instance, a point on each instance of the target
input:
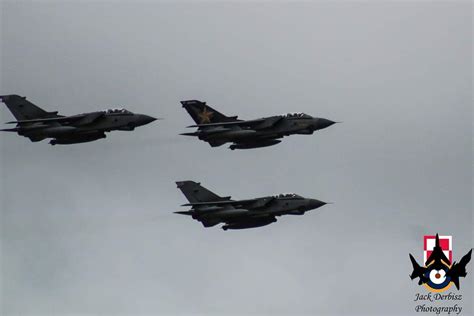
(22, 109)
(203, 114)
(194, 192)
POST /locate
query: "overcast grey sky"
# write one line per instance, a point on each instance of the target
(89, 229)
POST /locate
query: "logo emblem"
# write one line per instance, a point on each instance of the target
(438, 272)
(205, 116)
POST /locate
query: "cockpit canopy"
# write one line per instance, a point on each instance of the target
(288, 196)
(297, 115)
(117, 111)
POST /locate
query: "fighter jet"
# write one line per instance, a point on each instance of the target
(217, 129)
(211, 209)
(38, 124)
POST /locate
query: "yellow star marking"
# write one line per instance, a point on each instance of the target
(205, 116)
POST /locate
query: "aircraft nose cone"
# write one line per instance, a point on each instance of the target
(323, 123)
(146, 119)
(313, 203)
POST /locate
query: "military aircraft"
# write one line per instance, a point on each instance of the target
(211, 209)
(218, 129)
(38, 124)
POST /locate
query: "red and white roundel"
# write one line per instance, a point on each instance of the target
(445, 242)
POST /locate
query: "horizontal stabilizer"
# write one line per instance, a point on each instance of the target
(227, 201)
(210, 208)
(190, 134)
(46, 120)
(184, 212)
(214, 130)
